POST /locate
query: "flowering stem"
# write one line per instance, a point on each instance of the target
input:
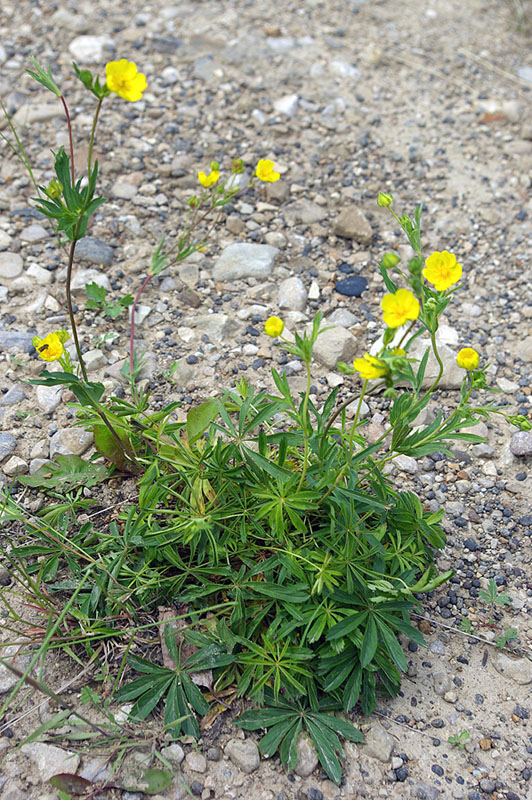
(438, 359)
(93, 131)
(132, 328)
(305, 427)
(357, 414)
(69, 304)
(69, 126)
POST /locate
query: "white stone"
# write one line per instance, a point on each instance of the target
(123, 190)
(314, 291)
(218, 327)
(286, 105)
(40, 449)
(379, 744)
(83, 276)
(292, 294)
(141, 312)
(42, 276)
(244, 754)
(345, 70)
(90, 49)
(245, 260)
(15, 466)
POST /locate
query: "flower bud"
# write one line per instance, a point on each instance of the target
(54, 189)
(215, 167)
(238, 166)
(389, 260)
(390, 392)
(431, 305)
(520, 421)
(384, 200)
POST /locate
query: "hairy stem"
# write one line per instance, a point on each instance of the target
(69, 304)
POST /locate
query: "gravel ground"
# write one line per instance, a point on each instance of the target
(429, 100)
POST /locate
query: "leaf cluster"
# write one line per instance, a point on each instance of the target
(98, 301)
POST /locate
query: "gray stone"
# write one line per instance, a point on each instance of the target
(30, 113)
(97, 770)
(94, 360)
(13, 396)
(70, 441)
(352, 224)
(425, 792)
(48, 398)
(471, 310)
(437, 648)
(141, 313)
(94, 251)
(8, 679)
(525, 73)
(523, 349)
(307, 758)
(90, 49)
(78, 23)
(218, 327)
(334, 345)
(518, 670)
(305, 212)
(15, 466)
(292, 294)
(188, 273)
(341, 316)
(244, 754)
(245, 260)
(40, 449)
(521, 443)
(34, 233)
(124, 191)
(406, 464)
(16, 342)
(51, 760)
(196, 761)
(83, 276)
(11, 265)
(174, 753)
(5, 239)
(7, 445)
(379, 744)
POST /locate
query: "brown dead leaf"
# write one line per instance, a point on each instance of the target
(491, 116)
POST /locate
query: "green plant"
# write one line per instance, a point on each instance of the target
(465, 625)
(508, 635)
(493, 596)
(98, 301)
(459, 739)
(269, 520)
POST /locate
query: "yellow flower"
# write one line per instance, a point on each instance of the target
(370, 367)
(467, 358)
(399, 307)
(442, 270)
(274, 326)
(210, 179)
(51, 347)
(123, 79)
(265, 171)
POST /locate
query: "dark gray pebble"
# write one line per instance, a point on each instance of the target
(353, 286)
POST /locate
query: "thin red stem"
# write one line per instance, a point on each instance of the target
(70, 138)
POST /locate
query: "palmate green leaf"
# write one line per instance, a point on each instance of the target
(347, 625)
(136, 688)
(295, 593)
(325, 747)
(263, 718)
(369, 643)
(151, 697)
(66, 473)
(270, 742)
(288, 748)
(194, 695)
(392, 646)
(200, 417)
